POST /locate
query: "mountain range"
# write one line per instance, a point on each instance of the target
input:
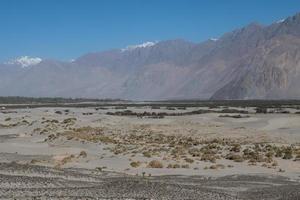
(254, 62)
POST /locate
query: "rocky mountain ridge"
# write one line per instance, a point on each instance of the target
(254, 62)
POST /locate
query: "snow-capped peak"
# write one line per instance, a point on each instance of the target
(25, 61)
(280, 21)
(143, 45)
(214, 39)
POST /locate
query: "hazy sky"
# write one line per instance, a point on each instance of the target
(66, 29)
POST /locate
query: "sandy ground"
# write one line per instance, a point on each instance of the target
(45, 137)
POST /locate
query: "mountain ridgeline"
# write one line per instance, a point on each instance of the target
(254, 62)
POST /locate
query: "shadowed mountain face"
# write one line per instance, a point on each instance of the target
(254, 62)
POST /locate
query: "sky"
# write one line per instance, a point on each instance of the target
(67, 29)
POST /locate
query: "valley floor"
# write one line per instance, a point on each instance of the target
(149, 152)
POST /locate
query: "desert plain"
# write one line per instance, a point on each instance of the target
(150, 151)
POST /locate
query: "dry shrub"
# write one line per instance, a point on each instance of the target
(234, 157)
(186, 166)
(218, 166)
(174, 166)
(83, 154)
(135, 164)
(195, 152)
(275, 163)
(236, 148)
(147, 154)
(209, 157)
(189, 160)
(155, 164)
(288, 153)
(34, 161)
(7, 119)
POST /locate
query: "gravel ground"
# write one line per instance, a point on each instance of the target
(36, 182)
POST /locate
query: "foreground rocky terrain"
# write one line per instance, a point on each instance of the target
(34, 182)
(154, 151)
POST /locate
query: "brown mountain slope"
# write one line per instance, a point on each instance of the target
(254, 62)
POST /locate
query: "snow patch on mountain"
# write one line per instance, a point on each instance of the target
(25, 61)
(214, 39)
(143, 45)
(280, 21)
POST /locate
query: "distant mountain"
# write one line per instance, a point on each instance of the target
(254, 62)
